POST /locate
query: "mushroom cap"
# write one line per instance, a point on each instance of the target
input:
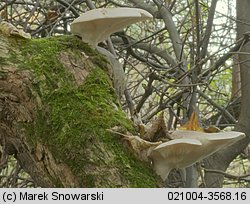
(227, 137)
(188, 147)
(169, 155)
(96, 25)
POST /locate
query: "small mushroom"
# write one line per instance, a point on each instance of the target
(96, 25)
(188, 147)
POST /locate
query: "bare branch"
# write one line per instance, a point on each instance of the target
(208, 28)
(223, 110)
(230, 176)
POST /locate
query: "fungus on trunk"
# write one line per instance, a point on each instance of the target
(188, 147)
(96, 25)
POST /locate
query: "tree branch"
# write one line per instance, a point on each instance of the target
(230, 176)
(244, 40)
(208, 29)
(223, 110)
(148, 7)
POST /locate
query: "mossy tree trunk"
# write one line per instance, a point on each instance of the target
(56, 102)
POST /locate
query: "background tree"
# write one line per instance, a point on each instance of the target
(178, 63)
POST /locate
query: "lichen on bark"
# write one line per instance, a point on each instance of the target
(63, 103)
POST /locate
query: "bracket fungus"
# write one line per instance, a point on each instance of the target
(96, 25)
(188, 147)
(184, 148)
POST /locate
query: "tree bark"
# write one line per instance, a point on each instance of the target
(243, 27)
(222, 159)
(56, 102)
(236, 86)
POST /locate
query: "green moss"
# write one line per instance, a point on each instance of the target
(3, 61)
(74, 121)
(3, 74)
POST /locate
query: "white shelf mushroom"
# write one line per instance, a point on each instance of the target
(188, 147)
(96, 25)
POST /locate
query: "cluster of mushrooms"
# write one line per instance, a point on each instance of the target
(180, 148)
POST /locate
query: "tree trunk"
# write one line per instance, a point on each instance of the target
(243, 26)
(236, 86)
(56, 102)
(222, 159)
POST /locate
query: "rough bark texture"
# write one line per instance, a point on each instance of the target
(236, 86)
(56, 102)
(222, 159)
(243, 26)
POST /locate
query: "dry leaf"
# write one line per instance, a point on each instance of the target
(192, 124)
(141, 147)
(157, 131)
(52, 15)
(10, 30)
(211, 129)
